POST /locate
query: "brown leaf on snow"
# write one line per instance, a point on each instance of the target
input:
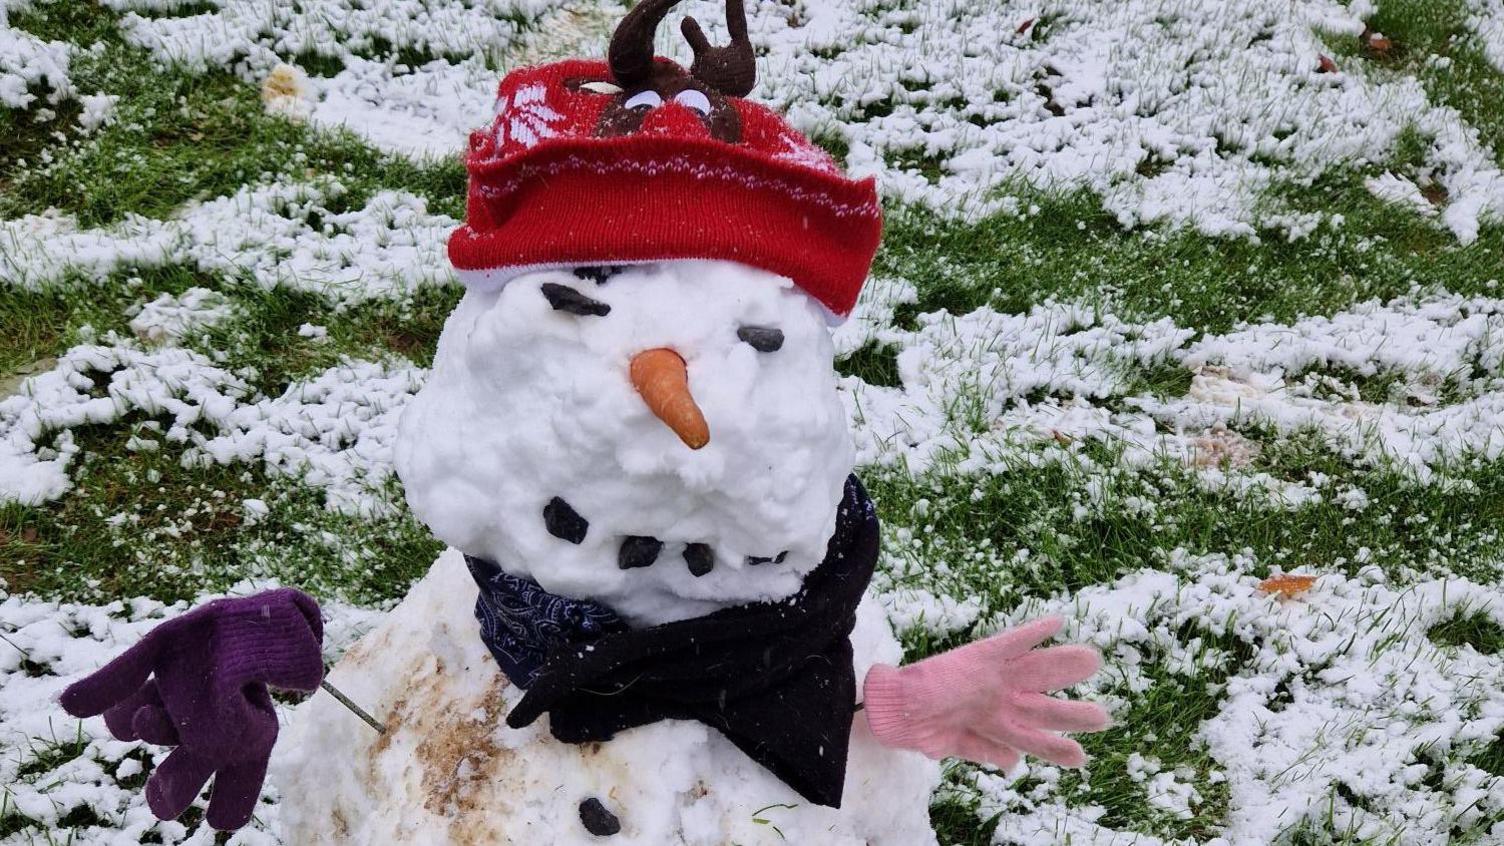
(1287, 586)
(1324, 64)
(1376, 42)
(1024, 27)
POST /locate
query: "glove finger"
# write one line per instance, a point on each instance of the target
(151, 724)
(1043, 745)
(1054, 668)
(977, 749)
(176, 783)
(120, 717)
(1018, 640)
(117, 680)
(1036, 710)
(236, 790)
(310, 610)
(299, 664)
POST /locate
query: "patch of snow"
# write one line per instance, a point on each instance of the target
(981, 384)
(911, 609)
(98, 110)
(278, 235)
(1400, 191)
(171, 318)
(29, 64)
(334, 431)
(1487, 22)
(423, 108)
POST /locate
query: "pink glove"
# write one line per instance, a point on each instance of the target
(985, 701)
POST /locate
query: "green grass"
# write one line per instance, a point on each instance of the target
(1074, 250)
(46, 322)
(1024, 530)
(264, 337)
(1475, 630)
(142, 524)
(873, 363)
(1163, 722)
(1422, 30)
(956, 817)
(178, 137)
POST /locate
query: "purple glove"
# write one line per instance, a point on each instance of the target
(209, 696)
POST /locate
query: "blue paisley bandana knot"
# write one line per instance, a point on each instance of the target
(521, 623)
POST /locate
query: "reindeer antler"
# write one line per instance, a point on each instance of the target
(731, 70)
(631, 52)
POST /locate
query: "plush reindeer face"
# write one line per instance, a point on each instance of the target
(649, 94)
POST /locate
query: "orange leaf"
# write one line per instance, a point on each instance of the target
(1287, 585)
(1324, 64)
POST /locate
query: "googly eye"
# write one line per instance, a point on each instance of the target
(644, 100)
(693, 99)
(601, 87)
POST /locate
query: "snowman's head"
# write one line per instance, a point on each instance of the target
(664, 438)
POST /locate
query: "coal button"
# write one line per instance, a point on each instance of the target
(564, 522)
(638, 551)
(598, 821)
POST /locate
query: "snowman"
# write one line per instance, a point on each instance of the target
(652, 624)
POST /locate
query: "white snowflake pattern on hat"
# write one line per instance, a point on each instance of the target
(524, 117)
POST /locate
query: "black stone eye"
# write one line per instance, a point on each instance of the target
(565, 298)
(761, 338)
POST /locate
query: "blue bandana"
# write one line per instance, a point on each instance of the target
(521, 623)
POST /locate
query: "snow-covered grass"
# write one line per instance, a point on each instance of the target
(1164, 308)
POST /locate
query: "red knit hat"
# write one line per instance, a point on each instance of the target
(639, 160)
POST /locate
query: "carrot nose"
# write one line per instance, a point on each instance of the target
(662, 378)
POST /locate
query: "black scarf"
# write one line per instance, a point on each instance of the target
(775, 678)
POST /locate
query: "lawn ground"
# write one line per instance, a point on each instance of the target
(1173, 297)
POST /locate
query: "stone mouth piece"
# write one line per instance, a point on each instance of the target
(637, 551)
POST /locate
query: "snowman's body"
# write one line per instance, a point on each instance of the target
(529, 403)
